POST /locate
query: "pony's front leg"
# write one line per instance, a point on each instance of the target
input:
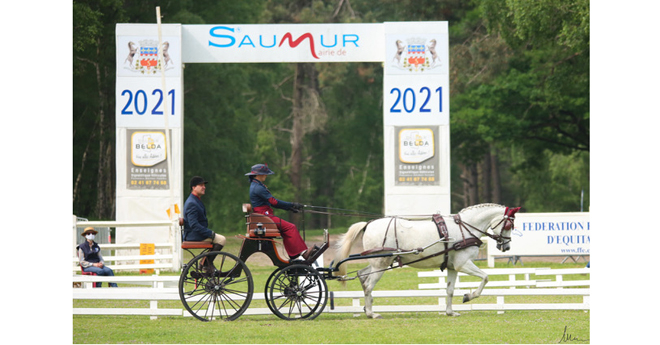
(472, 269)
(451, 283)
(369, 280)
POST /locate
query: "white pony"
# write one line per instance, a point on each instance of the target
(422, 243)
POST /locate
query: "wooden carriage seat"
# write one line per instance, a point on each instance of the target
(196, 245)
(253, 221)
(193, 244)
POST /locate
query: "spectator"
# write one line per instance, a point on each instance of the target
(89, 255)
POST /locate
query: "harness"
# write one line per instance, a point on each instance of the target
(443, 234)
(442, 231)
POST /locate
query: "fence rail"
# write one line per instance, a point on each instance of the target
(170, 252)
(165, 288)
(128, 262)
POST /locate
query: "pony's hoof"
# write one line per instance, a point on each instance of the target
(453, 314)
(376, 316)
(466, 298)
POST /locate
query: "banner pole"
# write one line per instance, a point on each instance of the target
(168, 145)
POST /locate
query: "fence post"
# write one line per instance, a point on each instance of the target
(177, 253)
(75, 242)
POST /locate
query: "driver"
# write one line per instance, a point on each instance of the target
(262, 202)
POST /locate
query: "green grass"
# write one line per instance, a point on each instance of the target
(540, 327)
(516, 327)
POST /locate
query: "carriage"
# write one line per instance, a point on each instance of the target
(298, 291)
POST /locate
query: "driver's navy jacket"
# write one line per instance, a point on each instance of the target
(262, 200)
(195, 224)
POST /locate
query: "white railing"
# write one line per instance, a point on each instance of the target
(169, 258)
(165, 288)
(518, 287)
(128, 262)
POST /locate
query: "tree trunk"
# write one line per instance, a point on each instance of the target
(470, 180)
(486, 178)
(295, 172)
(495, 170)
(308, 115)
(105, 197)
(82, 168)
(474, 185)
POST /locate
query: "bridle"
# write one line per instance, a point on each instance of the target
(507, 223)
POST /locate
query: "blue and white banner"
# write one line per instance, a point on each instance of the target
(548, 234)
(240, 43)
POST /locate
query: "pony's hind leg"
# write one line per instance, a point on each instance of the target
(451, 283)
(369, 278)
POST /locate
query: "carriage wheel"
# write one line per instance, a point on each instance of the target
(220, 292)
(297, 292)
(266, 294)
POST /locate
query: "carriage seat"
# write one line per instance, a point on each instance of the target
(193, 244)
(196, 245)
(259, 225)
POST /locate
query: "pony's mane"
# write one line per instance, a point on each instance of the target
(469, 208)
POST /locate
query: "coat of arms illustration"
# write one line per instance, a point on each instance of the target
(143, 58)
(416, 54)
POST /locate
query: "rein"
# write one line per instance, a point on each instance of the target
(498, 238)
(353, 213)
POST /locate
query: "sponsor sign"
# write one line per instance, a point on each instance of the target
(240, 43)
(551, 234)
(147, 165)
(147, 249)
(418, 163)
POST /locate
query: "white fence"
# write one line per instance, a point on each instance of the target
(168, 255)
(165, 288)
(161, 261)
(518, 287)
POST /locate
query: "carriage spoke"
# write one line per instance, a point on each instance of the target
(210, 296)
(296, 293)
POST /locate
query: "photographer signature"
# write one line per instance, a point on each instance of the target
(566, 337)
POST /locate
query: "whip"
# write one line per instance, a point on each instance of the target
(354, 213)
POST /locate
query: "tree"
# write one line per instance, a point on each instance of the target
(94, 74)
(537, 101)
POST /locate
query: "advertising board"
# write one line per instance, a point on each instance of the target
(547, 234)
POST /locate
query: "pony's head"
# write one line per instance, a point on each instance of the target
(502, 227)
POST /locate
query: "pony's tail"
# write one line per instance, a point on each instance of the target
(346, 243)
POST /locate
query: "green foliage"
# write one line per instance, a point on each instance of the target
(519, 86)
(564, 177)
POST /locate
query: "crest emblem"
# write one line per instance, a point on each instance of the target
(143, 57)
(416, 54)
(147, 61)
(148, 54)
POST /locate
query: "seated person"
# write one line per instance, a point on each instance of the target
(262, 200)
(195, 223)
(89, 255)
